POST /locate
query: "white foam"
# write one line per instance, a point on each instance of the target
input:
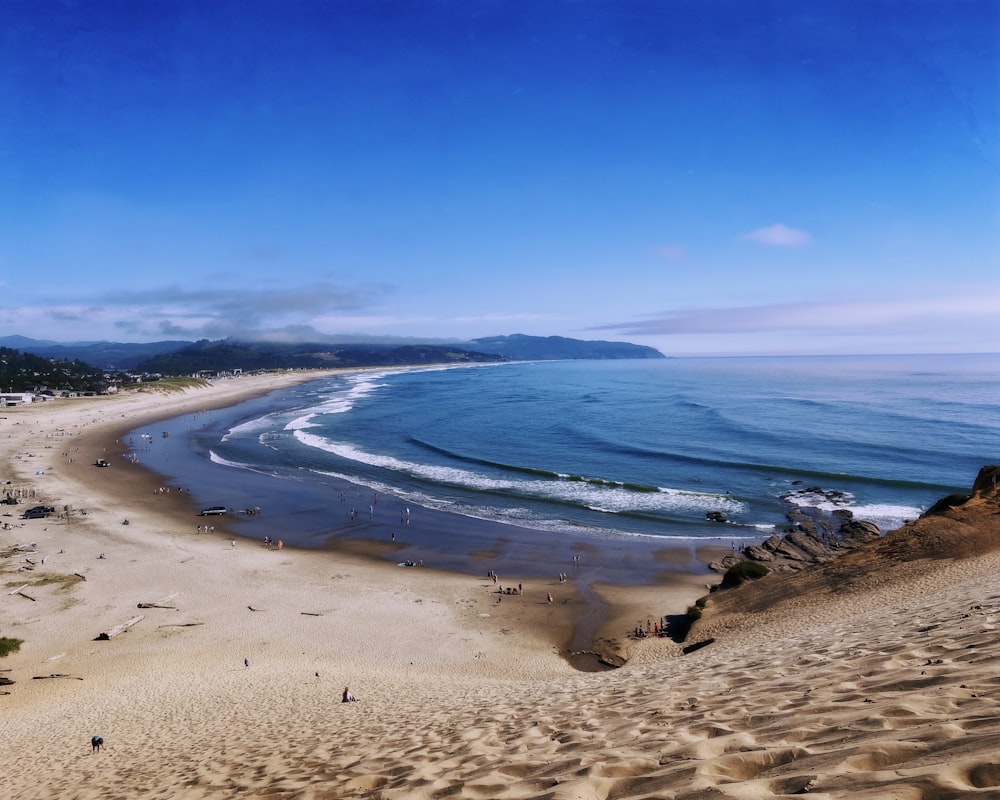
(887, 517)
(250, 426)
(604, 496)
(215, 458)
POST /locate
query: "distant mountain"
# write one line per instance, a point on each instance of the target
(520, 347)
(182, 358)
(227, 355)
(103, 355)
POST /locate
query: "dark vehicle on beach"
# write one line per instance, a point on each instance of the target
(102, 462)
(212, 511)
(38, 512)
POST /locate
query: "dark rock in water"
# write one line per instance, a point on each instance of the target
(803, 522)
(817, 533)
(715, 516)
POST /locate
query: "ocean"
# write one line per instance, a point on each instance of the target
(617, 459)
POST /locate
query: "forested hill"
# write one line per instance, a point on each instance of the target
(520, 347)
(182, 358)
(206, 356)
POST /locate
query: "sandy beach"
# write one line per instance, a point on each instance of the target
(873, 678)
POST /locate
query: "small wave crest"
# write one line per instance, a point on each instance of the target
(603, 495)
(342, 400)
(250, 427)
(215, 458)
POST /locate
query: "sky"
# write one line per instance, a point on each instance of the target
(706, 177)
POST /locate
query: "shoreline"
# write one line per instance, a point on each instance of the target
(594, 618)
(871, 676)
(588, 618)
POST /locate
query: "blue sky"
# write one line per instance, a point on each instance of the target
(776, 177)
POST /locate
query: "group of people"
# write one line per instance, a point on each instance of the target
(658, 628)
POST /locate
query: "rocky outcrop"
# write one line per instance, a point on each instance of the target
(961, 530)
(987, 482)
(815, 536)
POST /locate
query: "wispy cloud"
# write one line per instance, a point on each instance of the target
(968, 310)
(779, 235)
(173, 312)
(241, 302)
(672, 252)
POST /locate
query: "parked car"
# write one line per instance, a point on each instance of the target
(212, 511)
(38, 512)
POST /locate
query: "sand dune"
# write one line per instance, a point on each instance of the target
(871, 678)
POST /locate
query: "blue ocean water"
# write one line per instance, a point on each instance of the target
(602, 451)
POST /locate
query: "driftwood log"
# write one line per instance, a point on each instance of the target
(20, 591)
(120, 629)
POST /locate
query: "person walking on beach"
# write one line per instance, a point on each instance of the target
(246, 663)
(96, 744)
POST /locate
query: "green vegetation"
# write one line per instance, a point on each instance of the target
(694, 612)
(8, 645)
(23, 372)
(743, 571)
(228, 355)
(170, 385)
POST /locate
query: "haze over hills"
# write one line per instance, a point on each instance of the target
(175, 357)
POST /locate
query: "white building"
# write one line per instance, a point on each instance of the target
(15, 398)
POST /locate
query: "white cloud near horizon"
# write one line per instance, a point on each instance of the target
(960, 318)
(900, 315)
(315, 312)
(779, 235)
